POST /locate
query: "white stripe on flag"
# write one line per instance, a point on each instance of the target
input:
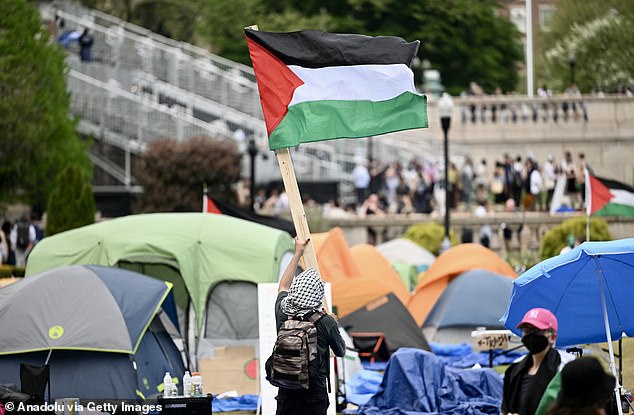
(352, 83)
(622, 197)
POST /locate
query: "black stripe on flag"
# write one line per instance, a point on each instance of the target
(315, 49)
(613, 184)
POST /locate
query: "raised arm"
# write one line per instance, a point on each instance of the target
(289, 273)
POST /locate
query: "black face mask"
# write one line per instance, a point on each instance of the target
(535, 343)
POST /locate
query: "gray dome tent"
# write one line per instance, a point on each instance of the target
(475, 298)
(98, 328)
(389, 316)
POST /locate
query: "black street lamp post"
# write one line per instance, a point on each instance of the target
(252, 149)
(445, 108)
(572, 61)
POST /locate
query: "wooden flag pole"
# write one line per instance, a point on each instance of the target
(295, 203)
(297, 210)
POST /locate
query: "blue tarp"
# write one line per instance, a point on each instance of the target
(240, 403)
(362, 385)
(417, 382)
(462, 355)
(376, 366)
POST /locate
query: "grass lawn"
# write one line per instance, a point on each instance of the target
(628, 358)
(628, 361)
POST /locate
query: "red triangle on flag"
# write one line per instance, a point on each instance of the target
(210, 206)
(600, 194)
(276, 84)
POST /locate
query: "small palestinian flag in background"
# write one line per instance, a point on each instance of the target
(318, 86)
(605, 197)
(208, 205)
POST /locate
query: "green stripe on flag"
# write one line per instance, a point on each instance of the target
(326, 120)
(615, 209)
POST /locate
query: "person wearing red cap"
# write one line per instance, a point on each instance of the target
(526, 380)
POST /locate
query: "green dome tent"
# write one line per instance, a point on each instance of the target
(194, 251)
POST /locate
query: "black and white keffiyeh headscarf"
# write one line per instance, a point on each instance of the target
(306, 293)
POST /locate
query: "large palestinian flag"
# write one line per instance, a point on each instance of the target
(318, 86)
(607, 197)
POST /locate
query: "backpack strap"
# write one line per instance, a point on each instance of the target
(312, 315)
(315, 317)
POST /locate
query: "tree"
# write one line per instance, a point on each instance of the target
(172, 18)
(465, 40)
(598, 35)
(71, 204)
(38, 138)
(173, 174)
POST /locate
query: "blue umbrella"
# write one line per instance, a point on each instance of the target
(589, 289)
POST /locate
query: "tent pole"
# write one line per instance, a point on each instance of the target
(617, 387)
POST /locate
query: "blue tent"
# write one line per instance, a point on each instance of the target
(476, 298)
(99, 328)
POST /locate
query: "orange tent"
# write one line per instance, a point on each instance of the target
(333, 256)
(358, 275)
(447, 266)
(351, 294)
(375, 266)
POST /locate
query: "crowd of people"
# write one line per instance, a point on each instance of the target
(508, 184)
(395, 188)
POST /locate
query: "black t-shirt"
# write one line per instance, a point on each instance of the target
(328, 336)
(527, 382)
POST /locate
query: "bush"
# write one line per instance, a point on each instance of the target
(429, 235)
(173, 174)
(71, 204)
(556, 238)
(8, 271)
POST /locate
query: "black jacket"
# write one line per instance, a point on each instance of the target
(513, 382)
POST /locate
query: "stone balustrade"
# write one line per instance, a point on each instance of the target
(534, 227)
(606, 137)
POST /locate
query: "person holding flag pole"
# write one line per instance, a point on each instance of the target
(318, 86)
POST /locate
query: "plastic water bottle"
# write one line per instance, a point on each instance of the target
(167, 385)
(197, 384)
(187, 385)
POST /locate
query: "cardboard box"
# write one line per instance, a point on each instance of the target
(231, 368)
